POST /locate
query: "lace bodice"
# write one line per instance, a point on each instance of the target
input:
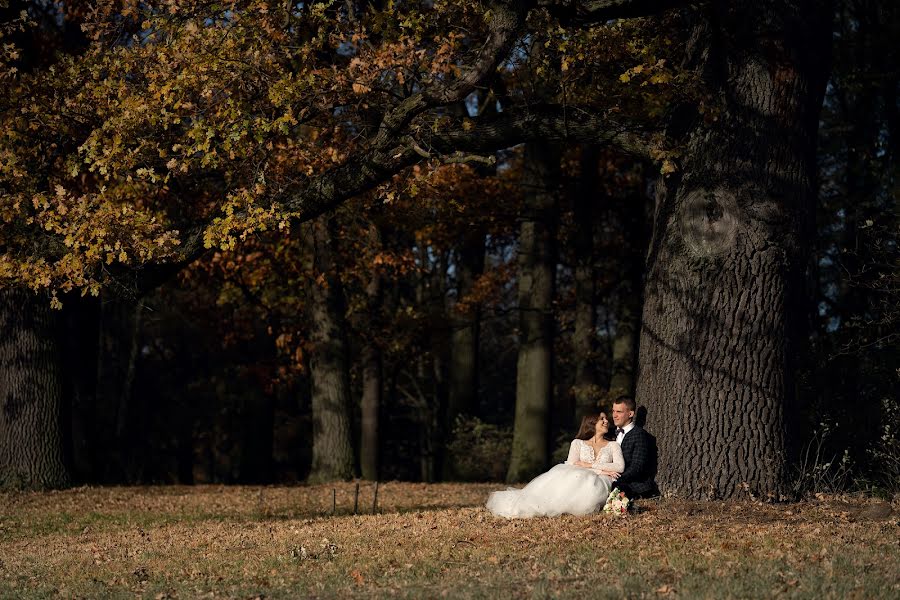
(609, 458)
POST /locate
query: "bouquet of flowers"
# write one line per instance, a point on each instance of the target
(616, 503)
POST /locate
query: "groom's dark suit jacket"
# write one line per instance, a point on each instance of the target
(639, 451)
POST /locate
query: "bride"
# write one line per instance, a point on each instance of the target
(579, 486)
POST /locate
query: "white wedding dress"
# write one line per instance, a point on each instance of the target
(565, 488)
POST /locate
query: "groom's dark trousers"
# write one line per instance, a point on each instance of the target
(639, 451)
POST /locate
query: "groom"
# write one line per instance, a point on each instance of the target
(639, 450)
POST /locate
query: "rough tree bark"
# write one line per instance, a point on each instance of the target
(537, 280)
(32, 443)
(730, 243)
(332, 453)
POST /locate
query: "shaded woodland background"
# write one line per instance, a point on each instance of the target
(207, 378)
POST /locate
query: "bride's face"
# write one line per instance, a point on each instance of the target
(602, 424)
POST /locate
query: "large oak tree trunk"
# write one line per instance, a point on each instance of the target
(537, 270)
(32, 444)
(332, 453)
(729, 246)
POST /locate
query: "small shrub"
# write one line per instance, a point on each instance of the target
(819, 473)
(886, 453)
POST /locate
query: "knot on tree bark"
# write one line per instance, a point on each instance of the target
(708, 221)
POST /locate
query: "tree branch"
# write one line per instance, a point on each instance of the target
(544, 122)
(597, 11)
(507, 18)
(550, 122)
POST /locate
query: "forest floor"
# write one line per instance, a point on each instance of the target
(431, 541)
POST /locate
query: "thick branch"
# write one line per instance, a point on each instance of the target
(550, 122)
(598, 11)
(546, 122)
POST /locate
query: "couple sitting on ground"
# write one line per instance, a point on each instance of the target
(609, 451)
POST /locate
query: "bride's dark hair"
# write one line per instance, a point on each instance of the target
(588, 427)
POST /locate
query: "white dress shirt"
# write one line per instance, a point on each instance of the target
(621, 435)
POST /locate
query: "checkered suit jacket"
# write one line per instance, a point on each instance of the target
(639, 450)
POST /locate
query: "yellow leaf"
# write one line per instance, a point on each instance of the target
(667, 167)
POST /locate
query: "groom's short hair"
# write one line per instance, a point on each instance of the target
(627, 401)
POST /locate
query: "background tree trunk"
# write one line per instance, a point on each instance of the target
(32, 444)
(585, 335)
(79, 354)
(537, 278)
(632, 219)
(332, 453)
(729, 246)
(370, 405)
(462, 397)
(463, 385)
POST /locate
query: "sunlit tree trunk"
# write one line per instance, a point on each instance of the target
(332, 453)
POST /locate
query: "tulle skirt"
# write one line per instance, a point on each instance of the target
(563, 489)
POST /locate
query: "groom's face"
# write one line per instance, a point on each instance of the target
(621, 415)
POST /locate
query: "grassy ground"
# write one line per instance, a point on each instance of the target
(432, 541)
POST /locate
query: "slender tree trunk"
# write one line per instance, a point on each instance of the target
(32, 448)
(371, 388)
(184, 440)
(79, 361)
(332, 453)
(537, 270)
(129, 414)
(440, 349)
(256, 464)
(371, 406)
(630, 300)
(585, 334)
(728, 251)
(431, 365)
(427, 419)
(118, 417)
(463, 392)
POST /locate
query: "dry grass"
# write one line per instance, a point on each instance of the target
(431, 541)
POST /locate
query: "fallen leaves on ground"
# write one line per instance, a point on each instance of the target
(432, 540)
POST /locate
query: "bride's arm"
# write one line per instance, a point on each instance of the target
(574, 452)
